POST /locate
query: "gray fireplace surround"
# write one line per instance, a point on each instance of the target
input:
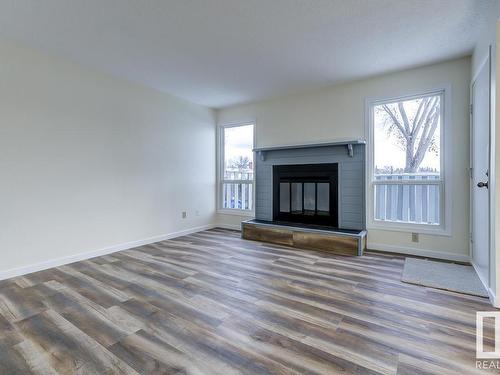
(350, 156)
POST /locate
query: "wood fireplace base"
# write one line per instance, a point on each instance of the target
(342, 242)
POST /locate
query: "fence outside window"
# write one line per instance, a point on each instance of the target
(237, 190)
(409, 198)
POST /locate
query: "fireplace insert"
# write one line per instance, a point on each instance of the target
(306, 193)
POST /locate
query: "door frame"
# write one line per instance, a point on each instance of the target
(486, 60)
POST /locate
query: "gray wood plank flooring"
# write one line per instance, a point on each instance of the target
(212, 303)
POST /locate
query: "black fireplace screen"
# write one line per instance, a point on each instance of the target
(306, 193)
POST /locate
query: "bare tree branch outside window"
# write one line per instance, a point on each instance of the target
(241, 163)
(415, 134)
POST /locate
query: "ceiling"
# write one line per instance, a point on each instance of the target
(223, 52)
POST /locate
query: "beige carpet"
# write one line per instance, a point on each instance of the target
(440, 275)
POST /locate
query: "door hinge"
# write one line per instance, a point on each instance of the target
(471, 237)
(470, 108)
(470, 172)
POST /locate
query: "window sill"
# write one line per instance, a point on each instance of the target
(410, 228)
(236, 212)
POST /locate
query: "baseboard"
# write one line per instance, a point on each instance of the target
(419, 252)
(228, 226)
(491, 295)
(484, 282)
(493, 299)
(13, 272)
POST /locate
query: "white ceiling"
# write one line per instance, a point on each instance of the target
(222, 52)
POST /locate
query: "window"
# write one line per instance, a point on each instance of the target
(407, 163)
(236, 167)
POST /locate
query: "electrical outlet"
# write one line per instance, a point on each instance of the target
(197, 213)
(184, 214)
(414, 237)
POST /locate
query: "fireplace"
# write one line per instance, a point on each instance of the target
(319, 204)
(306, 193)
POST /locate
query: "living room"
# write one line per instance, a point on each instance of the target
(248, 187)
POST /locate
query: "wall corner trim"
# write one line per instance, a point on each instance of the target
(56, 262)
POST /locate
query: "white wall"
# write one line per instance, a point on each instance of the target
(338, 112)
(88, 161)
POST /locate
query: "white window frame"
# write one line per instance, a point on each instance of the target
(220, 170)
(444, 228)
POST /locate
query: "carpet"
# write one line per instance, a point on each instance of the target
(441, 275)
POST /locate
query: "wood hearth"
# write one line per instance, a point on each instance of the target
(342, 242)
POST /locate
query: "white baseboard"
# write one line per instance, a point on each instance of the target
(491, 295)
(419, 252)
(228, 226)
(493, 299)
(13, 272)
(485, 282)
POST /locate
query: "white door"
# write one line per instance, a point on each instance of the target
(480, 153)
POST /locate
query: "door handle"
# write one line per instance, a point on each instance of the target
(482, 184)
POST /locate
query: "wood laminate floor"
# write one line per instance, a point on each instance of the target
(212, 303)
